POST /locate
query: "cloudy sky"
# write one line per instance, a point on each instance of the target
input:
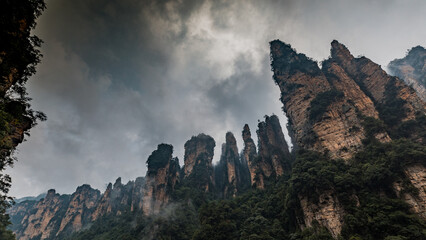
(119, 77)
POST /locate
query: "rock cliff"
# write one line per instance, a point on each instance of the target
(335, 109)
(273, 158)
(249, 155)
(327, 211)
(376, 83)
(39, 219)
(161, 178)
(325, 106)
(115, 199)
(56, 216)
(198, 167)
(231, 174)
(412, 69)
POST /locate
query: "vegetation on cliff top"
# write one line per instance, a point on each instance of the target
(159, 158)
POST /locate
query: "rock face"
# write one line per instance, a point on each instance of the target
(161, 178)
(249, 155)
(328, 212)
(198, 158)
(412, 69)
(273, 158)
(82, 202)
(115, 199)
(230, 174)
(273, 148)
(56, 216)
(137, 194)
(328, 109)
(40, 223)
(334, 100)
(416, 174)
(375, 82)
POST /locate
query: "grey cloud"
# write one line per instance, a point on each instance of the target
(119, 77)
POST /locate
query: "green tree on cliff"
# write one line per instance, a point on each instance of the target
(19, 55)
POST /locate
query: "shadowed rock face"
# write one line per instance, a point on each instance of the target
(273, 158)
(412, 69)
(231, 174)
(272, 146)
(250, 155)
(161, 178)
(198, 158)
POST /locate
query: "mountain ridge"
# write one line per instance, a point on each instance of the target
(359, 137)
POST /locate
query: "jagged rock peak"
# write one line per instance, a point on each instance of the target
(246, 133)
(198, 158)
(50, 194)
(273, 148)
(340, 52)
(159, 158)
(249, 155)
(285, 60)
(161, 177)
(198, 148)
(324, 108)
(231, 143)
(118, 183)
(412, 69)
(273, 158)
(328, 112)
(228, 173)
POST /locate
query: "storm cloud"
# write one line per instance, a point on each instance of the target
(119, 77)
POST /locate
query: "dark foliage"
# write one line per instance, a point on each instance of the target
(321, 102)
(159, 158)
(285, 60)
(19, 55)
(392, 111)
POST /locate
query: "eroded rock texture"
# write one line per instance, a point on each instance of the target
(412, 69)
(161, 178)
(416, 175)
(249, 154)
(57, 216)
(324, 106)
(327, 211)
(273, 158)
(198, 167)
(231, 174)
(328, 109)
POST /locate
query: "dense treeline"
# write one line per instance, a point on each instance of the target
(19, 54)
